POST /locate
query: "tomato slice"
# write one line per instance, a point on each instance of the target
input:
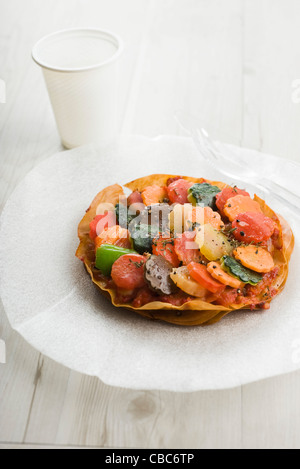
(176, 299)
(200, 273)
(170, 180)
(165, 247)
(128, 272)
(186, 248)
(101, 222)
(143, 297)
(228, 297)
(226, 194)
(178, 191)
(253, 227)
(134, 198)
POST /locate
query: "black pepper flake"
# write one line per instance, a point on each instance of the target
(214, 267)
(242, 233)
(229, 205)
(238, 221)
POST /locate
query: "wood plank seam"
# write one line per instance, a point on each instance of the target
(37, 377)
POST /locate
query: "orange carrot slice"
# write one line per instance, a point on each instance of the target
(255, 258)
(219, 274)
(154, 195)
(115, 235)
(203, 216)
(226, 194)
(201, 275)
(240, 204)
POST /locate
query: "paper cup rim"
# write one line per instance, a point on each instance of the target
(114, 38)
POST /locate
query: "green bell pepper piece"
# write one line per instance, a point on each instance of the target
(107, 255)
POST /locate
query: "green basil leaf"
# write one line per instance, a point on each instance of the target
(204, 194)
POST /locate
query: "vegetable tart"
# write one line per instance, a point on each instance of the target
(184, 250)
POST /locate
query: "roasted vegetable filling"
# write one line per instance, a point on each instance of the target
(183, 241)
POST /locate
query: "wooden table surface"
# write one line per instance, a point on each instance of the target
(237, 63)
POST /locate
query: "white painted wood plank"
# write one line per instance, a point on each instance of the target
(272, 119)
(49, 398)
(18, 374)
(191, 59)
(271, 413)
(97, 415)
(17, 383)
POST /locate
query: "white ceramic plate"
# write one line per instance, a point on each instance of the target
(52, 303)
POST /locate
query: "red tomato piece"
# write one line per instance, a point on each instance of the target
(200, 273)
(128, 272)
(186, 248)
(165, 247)
(101, 223)
(255, 292)
(178, 191)
(176, 299)
(228, 297)
(135, 198)
(143, 297)
(226, 194)
(170, 180)
(253, 227)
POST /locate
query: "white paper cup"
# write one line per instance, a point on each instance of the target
(80, 69)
